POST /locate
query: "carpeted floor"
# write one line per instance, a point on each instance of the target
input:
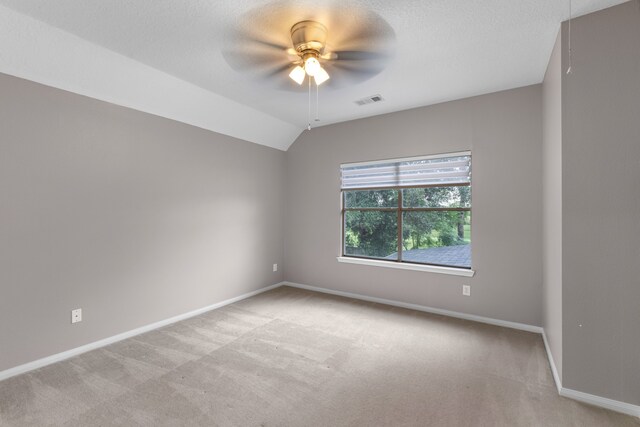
(296, 358)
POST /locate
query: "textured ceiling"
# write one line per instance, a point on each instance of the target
(444, 49)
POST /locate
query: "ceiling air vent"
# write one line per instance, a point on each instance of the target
(370, 100)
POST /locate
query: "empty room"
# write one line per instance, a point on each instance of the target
(319, 213)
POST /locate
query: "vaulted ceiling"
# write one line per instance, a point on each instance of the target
(167, 57)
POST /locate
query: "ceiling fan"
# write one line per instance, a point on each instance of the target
(340, 45)
(309, 38)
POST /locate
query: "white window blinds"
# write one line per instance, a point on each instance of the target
(453, 168)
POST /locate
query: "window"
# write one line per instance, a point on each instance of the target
(415, 210)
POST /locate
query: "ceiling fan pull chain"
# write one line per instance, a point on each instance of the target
(317, 102)
(309, 113)
(569, 70)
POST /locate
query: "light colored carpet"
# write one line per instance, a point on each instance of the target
(296, 358)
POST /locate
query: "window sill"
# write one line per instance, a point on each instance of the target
(407, 266)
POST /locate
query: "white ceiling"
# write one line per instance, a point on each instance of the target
(444, 50)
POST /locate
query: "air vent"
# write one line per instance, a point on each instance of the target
(370, 100)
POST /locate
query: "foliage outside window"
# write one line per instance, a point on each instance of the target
(423, 224)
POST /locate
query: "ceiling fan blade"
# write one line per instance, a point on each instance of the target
(344, 74)
(327, 56)
(369, 33)
(359, 55)
(255, 42)
(278, 70)
(356, 69)
(248, 60)
(372, 35)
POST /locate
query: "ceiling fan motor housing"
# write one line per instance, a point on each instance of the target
(309, 38)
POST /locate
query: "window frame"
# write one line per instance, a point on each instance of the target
(400, 209)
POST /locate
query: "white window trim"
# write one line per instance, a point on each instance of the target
(408, 266)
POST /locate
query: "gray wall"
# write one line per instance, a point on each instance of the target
(131, 217)
(552, 203)
(504, 131)
(601, 205)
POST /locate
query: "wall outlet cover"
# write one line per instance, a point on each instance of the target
(466, 290)
(76, 315)
(275, 267)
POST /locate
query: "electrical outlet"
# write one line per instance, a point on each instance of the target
(76, 315)
(466, 290)
(275, 267)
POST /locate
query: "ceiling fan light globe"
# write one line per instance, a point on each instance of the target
(311, 66)
(297, 74)
(321, 76)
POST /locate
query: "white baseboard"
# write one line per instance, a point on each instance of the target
(603, 402)
(456, 314)
(591, 399)
(552, 363)
(614, 405)
(104, 342)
